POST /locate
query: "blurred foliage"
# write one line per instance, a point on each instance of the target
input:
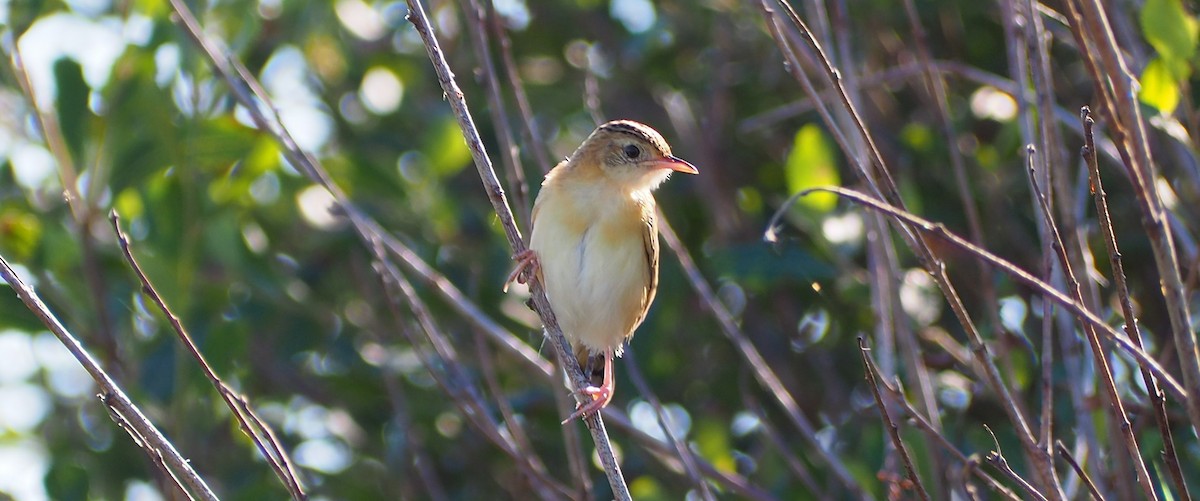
(281, 297)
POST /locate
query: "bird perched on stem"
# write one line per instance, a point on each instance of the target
(594, 244)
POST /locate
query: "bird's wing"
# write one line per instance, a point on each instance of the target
(650, 246)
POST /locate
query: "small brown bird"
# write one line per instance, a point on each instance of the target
(594, 244)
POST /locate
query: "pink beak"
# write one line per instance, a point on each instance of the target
(676, 164)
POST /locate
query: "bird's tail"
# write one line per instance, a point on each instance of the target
(592, 366)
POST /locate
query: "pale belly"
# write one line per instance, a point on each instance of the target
(596, 284)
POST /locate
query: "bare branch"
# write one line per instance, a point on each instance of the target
(254, 428)
(996, 459)
(892, 428)
(1131, 325)
(160, 450)
(1066, 454)
(1080, 311)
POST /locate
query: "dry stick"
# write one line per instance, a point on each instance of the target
(413, 461)
(1047, 359)
(1018, 63)
(1129, 127)
(151, 441)
(996, 459)
(892, 428)
(1080, 311)
(883, 267)
(766, 377)
(936, 86)
(250, 424)
(1019, 67)
(1066, 454)
(925, 425)
(81, 211)
(1099, 354)
(1131, 325)
(1056, 180)
(416, 15)
(416, 448)
(532, 140)
(689, 466)
(453, 379)
(459, 302)
(491, 381)
(573, 443)
(762, 370)
(510, 156)
(446, 370)
(878, 177)
(117, 412)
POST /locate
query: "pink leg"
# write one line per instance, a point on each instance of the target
(600, 396)
(528, 266)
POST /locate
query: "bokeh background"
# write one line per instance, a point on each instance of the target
(281, 296)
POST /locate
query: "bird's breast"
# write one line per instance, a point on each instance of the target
(594, 265)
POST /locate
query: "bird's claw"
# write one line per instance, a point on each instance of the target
(600, 397)
(527, 267)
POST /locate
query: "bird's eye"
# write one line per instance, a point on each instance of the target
(632, 151)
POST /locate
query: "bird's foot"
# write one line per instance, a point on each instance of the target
(601, 395)
(527, 267)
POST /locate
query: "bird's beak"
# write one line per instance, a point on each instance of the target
(676, 164)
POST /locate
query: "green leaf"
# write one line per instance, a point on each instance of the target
(220, 142)
(20, 233)
(1159, 89)
(72, 104)
(1170, 30)
(811, 164)
(448, 150)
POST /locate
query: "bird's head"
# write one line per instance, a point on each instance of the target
(631, 154)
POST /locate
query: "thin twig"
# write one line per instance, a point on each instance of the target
(1099, 354)
(82, 211)
(925, 425)
(1079, 310)
(533, 141)
(1066, 454)
(892, 428)
(250, 424)
(996, 459)
(664, 422)
(1089, 22)
(491, 381)
(1131, 325)
(151, 440)
(510, 156)
(448, 372)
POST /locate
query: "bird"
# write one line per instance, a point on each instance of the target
(594, 242)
